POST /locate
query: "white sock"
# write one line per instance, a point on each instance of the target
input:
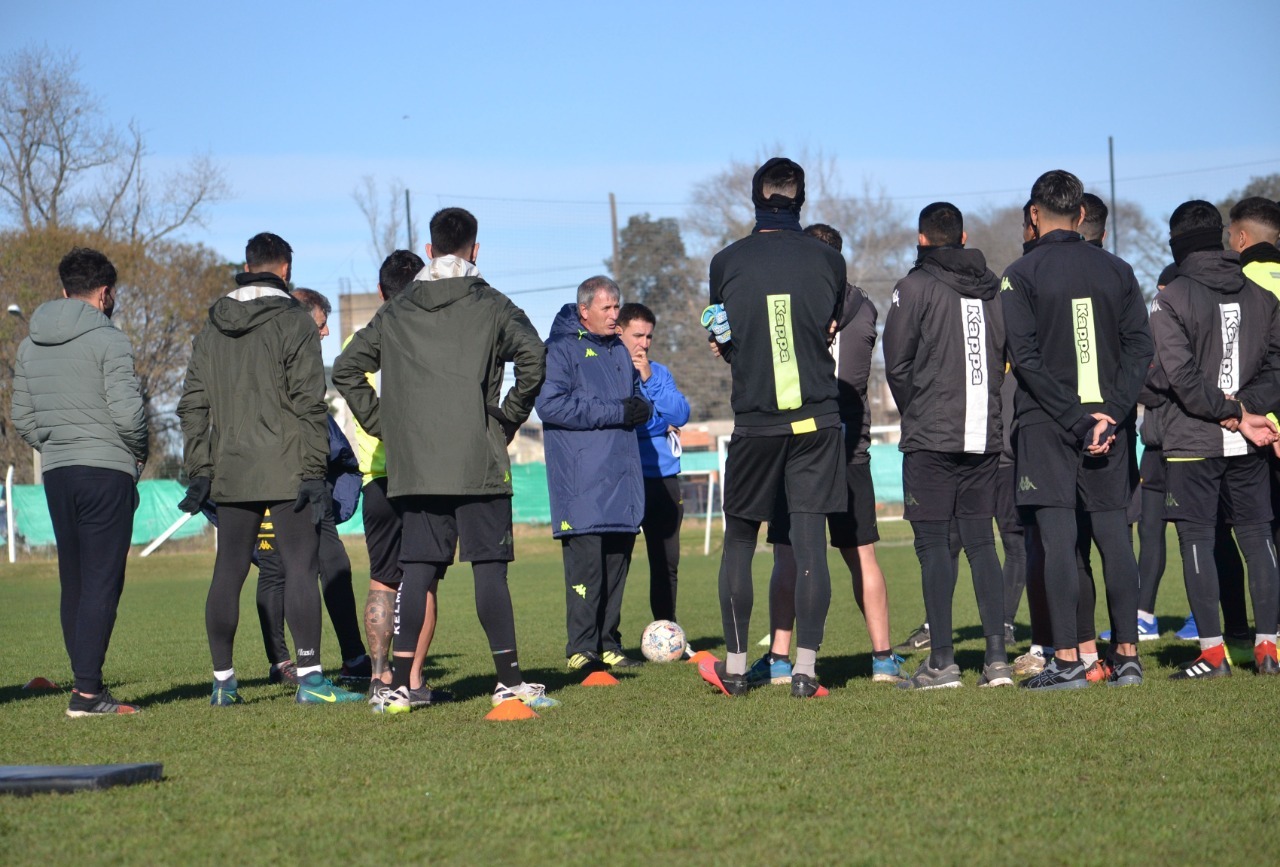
(1261, 638)
(1088, 658)
(1146, 615)
(1036, 650)
(224, 675)
(303, 672)
(735, 663)
(805, 662)
(1206, 643)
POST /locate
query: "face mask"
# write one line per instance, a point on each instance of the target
(108, 304)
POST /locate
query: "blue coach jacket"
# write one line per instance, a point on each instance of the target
(593, 462)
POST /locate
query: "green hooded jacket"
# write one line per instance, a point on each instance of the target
(442, 346)
(75, 396)
(252, 409)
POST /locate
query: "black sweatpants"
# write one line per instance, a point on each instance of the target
(595, 576)
(1151, 548)
(335, 587)
(92, 513)
(297, 540)
(663, 515)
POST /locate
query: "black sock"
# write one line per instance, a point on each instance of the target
(941, 657)
(779, 657)
(401, 668)
(996, 651)
(493, 606)
(882, 654)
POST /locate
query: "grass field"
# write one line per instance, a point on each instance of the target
(660, 767)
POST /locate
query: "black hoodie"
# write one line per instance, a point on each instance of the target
(1075, 331)
(944, 353)
(1216, 333)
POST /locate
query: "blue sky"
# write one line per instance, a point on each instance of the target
(530, 115)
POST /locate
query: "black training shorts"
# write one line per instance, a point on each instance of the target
(381, 532)
(1197, 487)
(807, 469)
(434, 525)
(1052, 470)
(854, 527)
(940, 486)
(1151, 469)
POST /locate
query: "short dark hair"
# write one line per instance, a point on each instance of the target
(1026, 214)
(1256, 209)
(1058, 192)
(635, 310)
(826, 234)
(941, 223)
(398, 271)
(265, 249)
(1167, 275)
(1192, 215)
(453, 231)
(83, 270)
(311, 299)
(780, 180)
(1095, 218)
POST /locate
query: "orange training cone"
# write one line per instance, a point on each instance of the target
(700, 656)
(41, 683)
(511, 709)
(600, 678)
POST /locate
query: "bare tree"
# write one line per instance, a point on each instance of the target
(63, 164)
(386, 226)
(997, 232)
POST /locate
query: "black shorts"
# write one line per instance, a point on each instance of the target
(807, 469)
(1151, 469)
(1052, 470)
(940, 486)
(854, 527)
(381, 532)
(434, 525)
(1197, 489)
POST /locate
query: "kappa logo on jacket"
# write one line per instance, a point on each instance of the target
(591, 353)
(581, 590)
(1006, 285)
(564, 525)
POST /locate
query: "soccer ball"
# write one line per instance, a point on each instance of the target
(662, 641)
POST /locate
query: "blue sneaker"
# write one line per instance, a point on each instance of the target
(888, 670)
(768, 670)
(1148, 630)
(224, 693)
(1189, 630)
(315, 688)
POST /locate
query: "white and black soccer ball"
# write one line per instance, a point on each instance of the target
(662, 641)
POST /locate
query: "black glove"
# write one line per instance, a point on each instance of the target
(635, 411)
(197, 495)
(509, 427)
(315, 492)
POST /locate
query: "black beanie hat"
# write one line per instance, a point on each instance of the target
(1167, 275)
(777, 202)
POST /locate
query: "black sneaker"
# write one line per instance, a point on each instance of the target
(1010, 635)
(804, 686)
(362, 671)
(425, 696)
(614, 659)
(1125, 671)
(1059, 674)
(285, 672)
(102, 704)
(712, 671)
(916, 641)
(586, 662)
(1202, 669)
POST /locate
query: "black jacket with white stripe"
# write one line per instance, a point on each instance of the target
(944, 353)
(1216, 334)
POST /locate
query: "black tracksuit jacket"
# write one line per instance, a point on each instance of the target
(944, 353)
(1216, 333)
(856, 346)
(781, 291)
(1076, 332)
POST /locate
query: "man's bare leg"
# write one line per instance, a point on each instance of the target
(870, 593)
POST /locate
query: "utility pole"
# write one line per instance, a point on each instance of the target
(408, 219)
(613, 219)
(1115, 217)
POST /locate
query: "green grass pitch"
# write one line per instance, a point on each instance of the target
(660, 767)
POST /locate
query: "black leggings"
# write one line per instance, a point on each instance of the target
(1151, 548)
(298, 541)
(1197, 542)
(938, 578)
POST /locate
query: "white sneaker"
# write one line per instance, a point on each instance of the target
(1029, 663)
(392, 701)
(534, 695)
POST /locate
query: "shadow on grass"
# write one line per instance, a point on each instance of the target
(18, 693)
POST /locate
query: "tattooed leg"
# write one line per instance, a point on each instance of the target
(379, 612)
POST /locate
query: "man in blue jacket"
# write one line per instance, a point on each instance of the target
(590, 406)
(659, 459)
